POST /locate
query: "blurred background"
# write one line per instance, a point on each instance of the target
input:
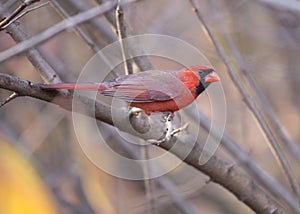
(43, 168)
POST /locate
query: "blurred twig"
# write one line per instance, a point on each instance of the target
(18, 33)
(56, 29)
(275, 148)
(287, 4)
(121, 32)
(142, 61)
(97, 24)
(84, 36)
(8, 99)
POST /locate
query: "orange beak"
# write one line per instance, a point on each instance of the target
(212, 77)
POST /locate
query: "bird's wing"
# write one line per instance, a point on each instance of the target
(145, 87)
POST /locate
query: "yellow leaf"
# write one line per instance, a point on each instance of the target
(22, 189)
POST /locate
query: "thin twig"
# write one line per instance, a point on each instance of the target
(18, 33)
(84, 36)
(23, 14)
(15, 13)
(77, 29)
(56, 29)
(142, 61)
(97, 24)
(275, 148)
(121, 32)
(8, 99)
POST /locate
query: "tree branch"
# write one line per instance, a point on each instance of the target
(232, 178)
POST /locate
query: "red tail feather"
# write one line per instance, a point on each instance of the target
(75, 86)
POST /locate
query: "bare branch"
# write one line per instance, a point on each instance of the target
(9, 98)
(80, 5)
(84, 36)
(64, 100)
(18, 33)
(6, 21)
(121, 32)
(275, 148)
(56, 29)
(142, 61)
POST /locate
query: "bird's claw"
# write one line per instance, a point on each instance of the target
(174, 132)
(168, 135)
(157, 142)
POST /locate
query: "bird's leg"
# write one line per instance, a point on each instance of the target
(168, 126)
(169, 131)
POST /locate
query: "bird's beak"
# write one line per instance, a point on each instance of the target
(212, 77)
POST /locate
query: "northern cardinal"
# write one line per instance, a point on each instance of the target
(152, 91)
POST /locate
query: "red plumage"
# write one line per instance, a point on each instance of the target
(152, 91)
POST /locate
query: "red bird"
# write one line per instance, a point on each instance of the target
(152, 91)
